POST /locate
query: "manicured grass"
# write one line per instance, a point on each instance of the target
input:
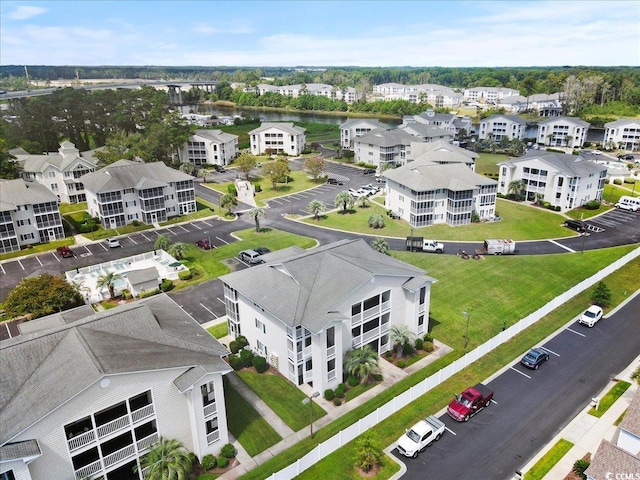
(519, 222)
(359, 389)
(625, 280)
(248, 427)
(610, 398)
(546, 463)
(283, 398)
(220, 330)
(348, 471)
(39, 248)
(72, 207)
(488, 163)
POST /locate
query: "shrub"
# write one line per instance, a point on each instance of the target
(558, 208)
(337, 402)
(235, 362)
(257, 187)
(260, 364)
(329, 394)
(377, 377)
(592, 205)
(580, 466)
(376, 221)
(247, 357)
(223, 461)
(353, 381)
(209, 461)
(167, 285)
(402, 364)
(340, 392)
(126, 294)
(185, 275)
(408, 349)
(228, 451)
(419, 343)
(617, 181)
(135, 223)
(234, 346)
(630, 180)
(149, 293)
(232, 189)
(242, 341)
(427, 337)
(428, 347)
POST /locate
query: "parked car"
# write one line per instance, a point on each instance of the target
(591, 316)
(371, 187)
(534, 358)
(65, 252)
(204, 244)
(369, 171)
(250, 256)
(470, 402)
(577, 225)
(420, 436)
(334, 181)
(219, 168)
(113, 243)
(358, 193)
(262, 250)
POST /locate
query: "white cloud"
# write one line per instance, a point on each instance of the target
(208, 29)
(24, 12)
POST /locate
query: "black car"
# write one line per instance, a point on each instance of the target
(262, 250)
(577, 225)
(219, 168)
(334, 181)
(534, 358)
(369, 171)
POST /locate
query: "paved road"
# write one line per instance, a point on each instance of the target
(532, 406)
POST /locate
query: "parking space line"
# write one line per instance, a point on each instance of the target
(2, 268)
(562, 246)
(53, 255)
(170, 231)
(213, 314)
(6, 324)
(183, 228)
(550, 351)
(221, 300)
(493, 401)
(523, 374)
(449, 430)
(145, 236)
(577, 333)
(207, 224)
(197, 226)
(20, 263)
(105, 248)
(223, 240)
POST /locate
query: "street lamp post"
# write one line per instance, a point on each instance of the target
(466, 334)
(309, 400)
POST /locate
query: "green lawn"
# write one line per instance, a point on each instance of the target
(488, 163)
(610, 398)
(252, 431)
(519, 222)
(220, 330)
(546, 463)
(283, 398)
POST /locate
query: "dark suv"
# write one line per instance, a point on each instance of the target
(577, 225)
(369, 171)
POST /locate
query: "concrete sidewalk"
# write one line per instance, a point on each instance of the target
(586, 431)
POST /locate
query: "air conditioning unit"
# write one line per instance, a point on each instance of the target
(274, 360)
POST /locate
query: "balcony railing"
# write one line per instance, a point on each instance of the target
(113, 426)
(142, 413)
(119, 455)
(88, 470)
(210, 409)
(213, 437)
(81, 440)
(146, 441)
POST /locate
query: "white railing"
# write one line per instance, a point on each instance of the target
(331, 352)
(113, 426)
(403, 399)
(213, 437)
(88, 470)
(119, 455)
(81, 440)
(142, 413)
(210, 409)
(146, 441)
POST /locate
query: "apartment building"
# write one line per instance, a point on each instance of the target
(623, 134)
(488, 94)
(383, 147)
(210, 147)
(277, 137)
(563, 132)
(502, 126)
(357, 127)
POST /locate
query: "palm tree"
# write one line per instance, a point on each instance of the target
(256, 213)
(177, 250)
(316, 207)
(166, 460)
(108, 280)
(228, 201)
(187, 168)
(400, 335)
(362, 363)
(381, 245)
(516, 187)
(345, 199)
(162, 242)
(81, 288)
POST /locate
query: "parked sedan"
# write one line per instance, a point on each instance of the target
(591, 316)
(534, 358)
(65, 252)
(113, 243)
(577, 225)
(204, 244)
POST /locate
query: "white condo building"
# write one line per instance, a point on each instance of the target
(277, 137)
(210, 147)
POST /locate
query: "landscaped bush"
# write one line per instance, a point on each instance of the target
(185, 275)
(232, 189)
(260, 364)
(427, 347)
(209, 461)
(235, 362)
(617, 181)
(234, 346)
(376, 221)
(247, 357)
(340, 392)
(258, 187)
(592, 205)
(135, 223)
(223, 461)
(401, 364)
(377, 377)
(337, 401)
(166, 285)
(408, 349)
(149, 293)
(228, 451)
(419, 343)
(353, 381)
(329, 394)
(427, 337)
(126, 294)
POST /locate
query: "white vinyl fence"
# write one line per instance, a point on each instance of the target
(402, 400)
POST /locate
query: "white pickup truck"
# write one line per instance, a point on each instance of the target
(420, 436)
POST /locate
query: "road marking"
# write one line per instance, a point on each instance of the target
(562, 246)
(550, 351)
(197, 226)
(145, 236)
(516, 370)
(213, 314)
(449, 430)
(183, 228)
(6, 324)
(493, 401)
(3, 272)
(171, 231)
(133, 240)
(577, 333)
(20, 263)
(223, 240)
(88, 254)
(207, 224)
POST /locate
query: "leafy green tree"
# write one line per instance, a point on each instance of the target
(316, 208)
(257, 213)
(381, 245)
(245, 163)
(108, 280)
(344, 199)
(187, 167)
(276, 172)
(517, 187)
(40, 296)
(228, 201)
(362, 363)
(9, 168)
(178, 250)
(368, 454)
(119, 146)
(162, 242)
(315, 166)
(166, 460)
(601, 294)
(400, 335)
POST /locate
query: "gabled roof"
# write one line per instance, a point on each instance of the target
(424, 176)
(125, 174)
(572, 120)
(569, 165)
(386, 138)
(287, 127)
(216, 135)
(369, 122)
(631, 420)
(446, 147)
(18, 192)
(44, 369)
(425, 131)
(311, 284)
(622, 122)
(511, 118)
(611, 458)
(67, 157)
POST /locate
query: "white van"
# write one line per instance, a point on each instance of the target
(629, 203)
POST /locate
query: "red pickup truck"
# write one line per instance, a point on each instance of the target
(470, 402)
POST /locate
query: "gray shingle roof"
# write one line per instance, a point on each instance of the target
(311, 284)
(622, 122)
(424, 131)
(284, 126)
(18, 192)
(570, 165)
(512, 118)
(445, 147)
(611, 458)
(216, 135)
(386, 138)
(44, 369)
(572, 120)
(19, 450)
(369, 122)
(424, 175)
(129, 174)
(631, 420)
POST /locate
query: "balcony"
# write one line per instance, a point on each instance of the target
(213, 437)
(88, 470)
(146, 441)
(113, 426)
(119, 455)
(80, 441)
(210, 409)
(141, 414)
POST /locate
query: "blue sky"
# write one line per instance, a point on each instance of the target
(323, 33)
